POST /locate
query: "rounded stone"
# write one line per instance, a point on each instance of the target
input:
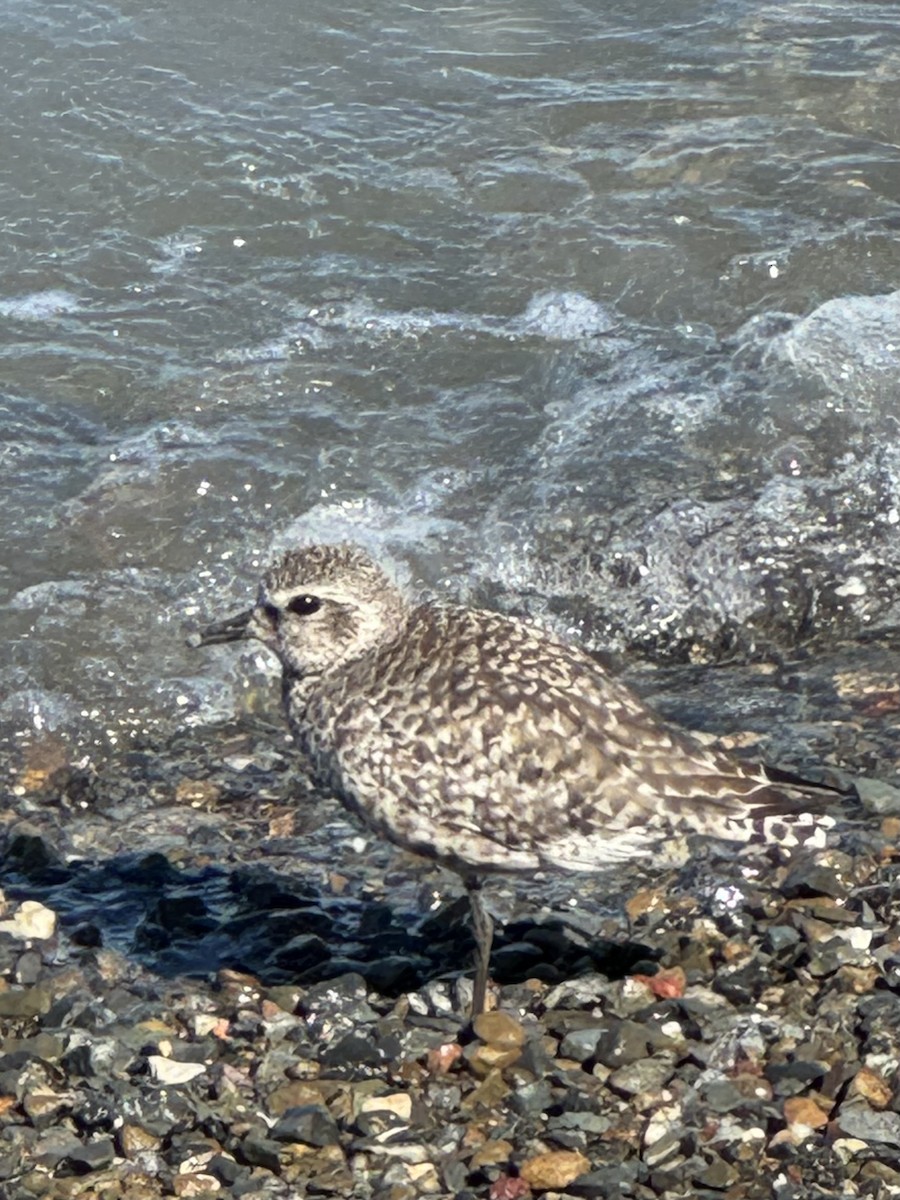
(554, 1169)
(499, 1029)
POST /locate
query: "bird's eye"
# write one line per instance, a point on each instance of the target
(303, 606)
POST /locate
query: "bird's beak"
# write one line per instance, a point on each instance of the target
(232, 629)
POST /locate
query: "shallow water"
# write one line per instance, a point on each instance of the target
(512, 297)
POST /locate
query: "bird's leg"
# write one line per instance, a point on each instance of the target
(483, 929)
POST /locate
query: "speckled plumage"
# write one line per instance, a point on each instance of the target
(483, 741)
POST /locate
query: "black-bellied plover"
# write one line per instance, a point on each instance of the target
(487, 743)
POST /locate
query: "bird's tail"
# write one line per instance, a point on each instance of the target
(784, 808)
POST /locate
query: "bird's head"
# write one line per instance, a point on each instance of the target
(318, 607)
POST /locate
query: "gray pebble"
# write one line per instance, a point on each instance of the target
(93, 1156)
(856, 1119)
(311, 1124)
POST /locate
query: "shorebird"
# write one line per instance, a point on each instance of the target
(487, 743)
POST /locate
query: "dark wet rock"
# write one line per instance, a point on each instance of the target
(257, 1150)
(311, 1124)
(396, 973)
(353, 1051)
(337, 1005)
(225, 1169)
(88, 1058)
(739, 984)
(830, 875)
(302, 955)
(791, 1078)
(92, 1156)
(29, 855)
(607, 1182)
(517, 959)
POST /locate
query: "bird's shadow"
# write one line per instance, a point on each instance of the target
(285, 929)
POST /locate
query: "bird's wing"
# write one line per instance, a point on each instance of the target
(514, 740)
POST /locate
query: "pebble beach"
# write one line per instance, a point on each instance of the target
(236, 994)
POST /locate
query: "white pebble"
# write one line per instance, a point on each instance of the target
(168, 1070)
(32, 920)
